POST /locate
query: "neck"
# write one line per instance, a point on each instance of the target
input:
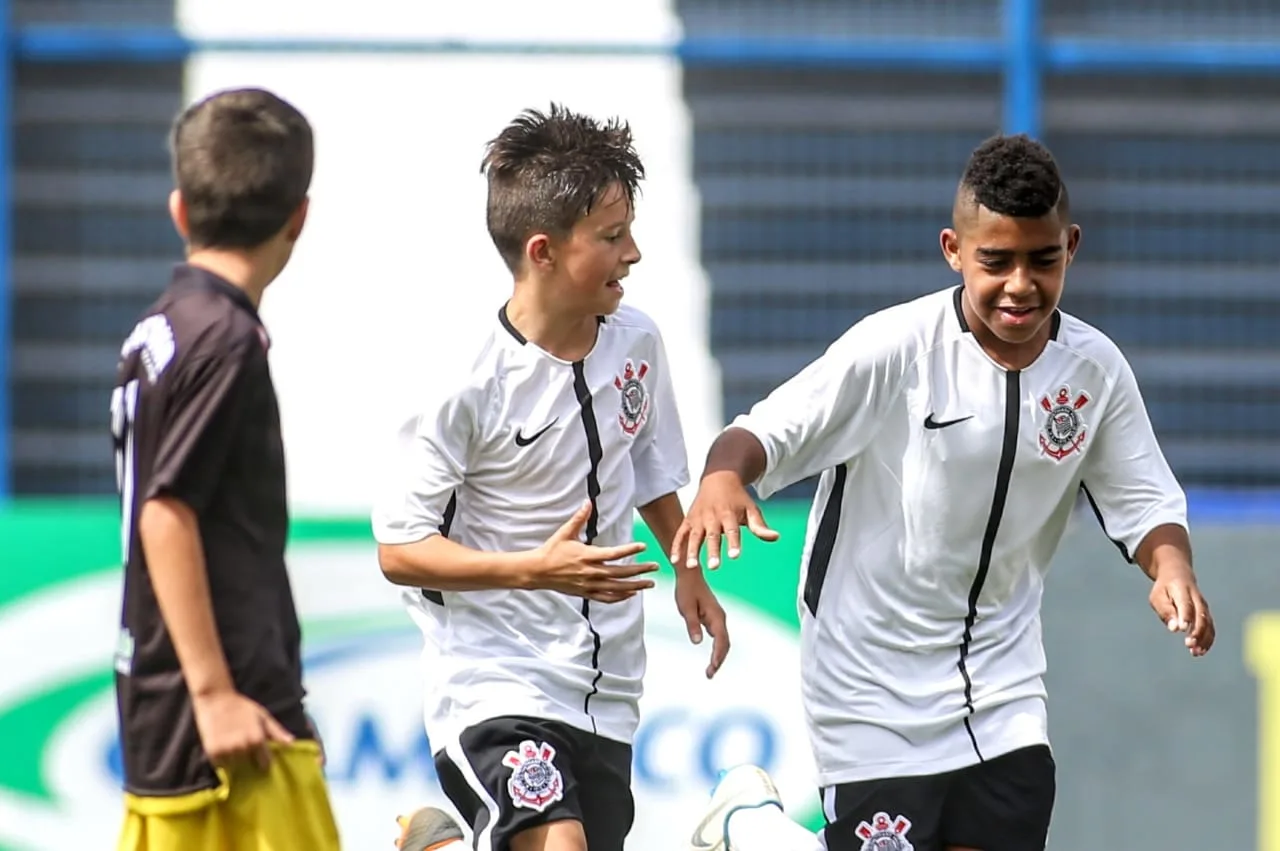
(1014, 356)
(568, 335)
(243, 269)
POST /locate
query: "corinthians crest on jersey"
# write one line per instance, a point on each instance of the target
(1064, 430)
(883, 833)
(535, 781)
(635, 396)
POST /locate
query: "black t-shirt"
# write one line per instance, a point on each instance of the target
(194, 417)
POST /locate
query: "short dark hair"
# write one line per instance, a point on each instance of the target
(547, 170)
(243, 160)
(1015, 176)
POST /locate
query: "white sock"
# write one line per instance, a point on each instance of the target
(767, 828)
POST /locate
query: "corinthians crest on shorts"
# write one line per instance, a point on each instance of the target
(1064, 430)
(635, 397)
(535, 781)
(884, 834)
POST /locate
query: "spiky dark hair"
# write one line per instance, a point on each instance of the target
(1014, 176)
(547, 170)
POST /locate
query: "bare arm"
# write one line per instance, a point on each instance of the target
(444, 565)
(1165, 556)
(562, 564)
(738, 451)
(170, 537)
(1165, 547)
(663, 516)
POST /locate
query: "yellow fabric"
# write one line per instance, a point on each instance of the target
(285, 808)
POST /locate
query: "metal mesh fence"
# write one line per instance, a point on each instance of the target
(823, 187)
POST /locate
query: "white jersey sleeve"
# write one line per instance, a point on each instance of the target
(1126, 477)
(658, 455)
(830, 411)
(428, 465)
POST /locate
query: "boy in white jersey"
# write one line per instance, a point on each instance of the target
(952, 434)
(512, 521)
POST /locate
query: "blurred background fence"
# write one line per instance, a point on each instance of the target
(827, 139)
(822, 140)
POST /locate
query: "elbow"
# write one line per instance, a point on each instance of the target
(395, 565)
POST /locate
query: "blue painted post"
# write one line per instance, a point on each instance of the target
(6, 259)
(1022, 91)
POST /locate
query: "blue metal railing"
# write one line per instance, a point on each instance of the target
(1022, 55)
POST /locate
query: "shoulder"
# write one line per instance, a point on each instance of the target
(1090, 344)
(464, 390)
(904, 331)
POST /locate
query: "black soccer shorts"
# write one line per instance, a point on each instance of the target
(531, 771)
(1003, 804)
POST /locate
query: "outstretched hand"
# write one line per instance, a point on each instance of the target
(721, 508)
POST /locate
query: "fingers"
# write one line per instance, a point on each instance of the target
(693, 623)
(1203, 633)
(698, 534)
(274, 730)
(1164, 607)
(618, 553)
(755, 522)
(628, 570)
(678, 543)
(1184, 608)
(572, 529)
(719, 641)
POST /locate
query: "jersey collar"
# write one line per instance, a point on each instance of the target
(1055, 321)
(184, 274)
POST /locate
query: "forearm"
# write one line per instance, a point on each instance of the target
(663, 516)
(170, 536)
(738, 451)
(1165, 547)
(443, 565)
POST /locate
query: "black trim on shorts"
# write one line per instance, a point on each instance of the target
(1004, 472)
(824, 541)
(595, 452)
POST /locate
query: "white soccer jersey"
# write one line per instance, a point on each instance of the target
(498, 465)
(947, 482)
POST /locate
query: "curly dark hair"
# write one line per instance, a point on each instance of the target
(1015, 176)
(547, 170)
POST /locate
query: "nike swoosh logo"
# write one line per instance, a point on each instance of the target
(931, 423)
(521, 440)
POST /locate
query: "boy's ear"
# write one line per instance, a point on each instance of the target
(293, 230)
(539, 252)
(178, 213)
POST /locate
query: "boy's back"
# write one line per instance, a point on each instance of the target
(195, 418)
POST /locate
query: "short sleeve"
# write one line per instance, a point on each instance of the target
(428, 464)
(1126, 477)
(204, 405)
(659, 456)
(827, 413)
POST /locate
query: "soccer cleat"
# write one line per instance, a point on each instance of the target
(427, 829)
(745, 787)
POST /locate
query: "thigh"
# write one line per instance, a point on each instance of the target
(608, 806)
(510, 774)
(1004, 804)
(892, 814)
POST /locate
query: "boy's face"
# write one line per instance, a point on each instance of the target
(596, 255)
(1013, 271)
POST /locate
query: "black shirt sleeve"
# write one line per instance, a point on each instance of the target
(203, 412)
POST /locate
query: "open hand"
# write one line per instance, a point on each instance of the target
(567, 565)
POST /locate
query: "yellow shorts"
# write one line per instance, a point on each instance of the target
(283, 809)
